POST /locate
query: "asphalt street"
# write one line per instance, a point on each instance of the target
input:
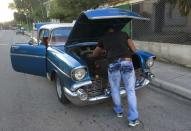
(29, 103)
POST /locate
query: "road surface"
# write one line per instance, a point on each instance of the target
(29, 103)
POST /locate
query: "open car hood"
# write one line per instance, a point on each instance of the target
(92, 24)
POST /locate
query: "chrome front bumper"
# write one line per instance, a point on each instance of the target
(74, 98)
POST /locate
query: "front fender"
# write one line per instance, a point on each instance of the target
(144, 56)
(63, 63)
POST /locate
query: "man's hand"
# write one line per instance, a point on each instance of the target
(98, 51)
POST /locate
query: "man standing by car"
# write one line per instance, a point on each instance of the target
(120, 48)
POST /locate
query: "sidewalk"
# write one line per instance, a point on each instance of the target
(172, 77)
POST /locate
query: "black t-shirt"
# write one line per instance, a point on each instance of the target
(115, 43)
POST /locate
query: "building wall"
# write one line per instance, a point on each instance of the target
(175, 53)
(166, 24)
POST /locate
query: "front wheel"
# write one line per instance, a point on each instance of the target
(60, 92)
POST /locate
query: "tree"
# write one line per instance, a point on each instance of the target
(32, 9)
(184, 6)
(19, 17)
(68, 10)
(12, 6)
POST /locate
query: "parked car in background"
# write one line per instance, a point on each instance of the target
(61, 55)
(20, 31)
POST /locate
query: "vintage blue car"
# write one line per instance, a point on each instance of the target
(61, 55)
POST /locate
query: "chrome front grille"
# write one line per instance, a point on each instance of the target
(97, 88)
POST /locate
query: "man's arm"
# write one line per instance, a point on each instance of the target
(131, 45)
(98, 51)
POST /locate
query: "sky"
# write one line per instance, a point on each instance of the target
(6, 14)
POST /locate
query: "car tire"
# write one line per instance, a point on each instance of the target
(60, 91)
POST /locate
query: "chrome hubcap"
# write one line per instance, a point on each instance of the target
(58, 88)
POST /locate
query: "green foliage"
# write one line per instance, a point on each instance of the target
(184, 6)
(19, 17)
(68, 10)
(31, 9)
(56, 11)
(12, 6)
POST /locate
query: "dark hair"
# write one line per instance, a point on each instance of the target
(109, 26)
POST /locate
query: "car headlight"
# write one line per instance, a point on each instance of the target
(150, 62)
(78, 74)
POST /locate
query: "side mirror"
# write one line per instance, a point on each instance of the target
(32, 41)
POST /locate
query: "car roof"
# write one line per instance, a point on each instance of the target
(53, 26)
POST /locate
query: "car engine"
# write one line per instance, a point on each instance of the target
(97, 68)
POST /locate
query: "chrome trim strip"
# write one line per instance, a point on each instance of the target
(25, 55)
(52, 48)
(122, 92)
(80, 84)
(48, 76)
(58, 53)
(58, 68)
(75, 99)
(68, 92)
(93, 99)
(57, 50)
(108, 17)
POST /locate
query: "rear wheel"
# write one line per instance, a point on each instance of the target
(60, 92)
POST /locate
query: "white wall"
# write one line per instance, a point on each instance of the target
(176, 53)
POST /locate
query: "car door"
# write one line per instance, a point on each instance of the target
(30, 59)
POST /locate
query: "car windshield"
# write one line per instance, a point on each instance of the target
(60, 35)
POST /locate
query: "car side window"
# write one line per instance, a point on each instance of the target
(41, 35)
(44, 37)
(46, 33)
(60, 35)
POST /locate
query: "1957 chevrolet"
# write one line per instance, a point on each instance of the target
(61, 55)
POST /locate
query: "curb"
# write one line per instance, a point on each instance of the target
(176, 89)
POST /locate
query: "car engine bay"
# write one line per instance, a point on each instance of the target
(98, 66)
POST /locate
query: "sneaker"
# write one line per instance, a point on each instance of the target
(139, 82)
(134, 123)
(119, 115)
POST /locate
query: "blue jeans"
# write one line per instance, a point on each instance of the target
(122, 69)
